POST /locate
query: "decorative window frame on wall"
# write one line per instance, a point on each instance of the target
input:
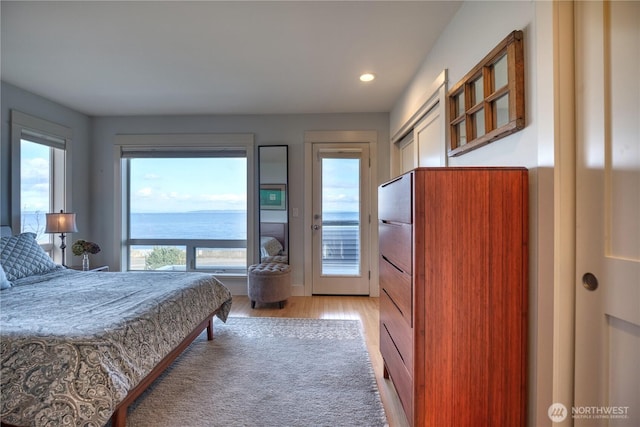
(488, 103)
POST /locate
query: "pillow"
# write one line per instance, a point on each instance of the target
(21, 256)
(4, 283)
(270, 246)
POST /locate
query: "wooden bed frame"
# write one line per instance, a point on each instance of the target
(119, 417)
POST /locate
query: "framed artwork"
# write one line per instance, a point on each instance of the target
(273, 196)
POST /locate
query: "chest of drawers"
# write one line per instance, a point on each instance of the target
(453, 298)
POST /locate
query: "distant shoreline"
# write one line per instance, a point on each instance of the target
(192, 212)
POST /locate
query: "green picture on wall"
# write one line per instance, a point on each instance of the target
(272, 196)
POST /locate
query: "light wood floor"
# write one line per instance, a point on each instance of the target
(364, 309)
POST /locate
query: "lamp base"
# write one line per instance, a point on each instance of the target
(62, 248)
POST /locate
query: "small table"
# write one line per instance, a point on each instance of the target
(79, 268)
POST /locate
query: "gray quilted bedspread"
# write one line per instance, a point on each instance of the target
(74, 343)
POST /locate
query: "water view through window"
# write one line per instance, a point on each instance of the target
(340, 216)
(179, 205)
(35, 188)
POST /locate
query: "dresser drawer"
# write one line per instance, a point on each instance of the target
(394, 200)
(396, 244)
(398, 286)
(400, 376)
(398, 328)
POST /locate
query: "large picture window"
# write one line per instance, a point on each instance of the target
(195, 203)
(186, 208)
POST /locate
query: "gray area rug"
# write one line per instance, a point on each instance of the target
(267, 372)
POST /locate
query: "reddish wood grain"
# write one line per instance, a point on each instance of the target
(469, 296)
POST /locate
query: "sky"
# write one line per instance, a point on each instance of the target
(186, 185)
(341, 180)
(34, 179)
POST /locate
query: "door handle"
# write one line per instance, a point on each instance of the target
(315, 227)
(590, 281)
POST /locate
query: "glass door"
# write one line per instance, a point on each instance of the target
(340, 226)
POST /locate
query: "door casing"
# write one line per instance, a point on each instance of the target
(348, 283)
(311, 137)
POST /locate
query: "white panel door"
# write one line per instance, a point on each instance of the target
(607, 350)
(430, 138)
(408, 157)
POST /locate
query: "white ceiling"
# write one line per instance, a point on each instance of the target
(214, 57)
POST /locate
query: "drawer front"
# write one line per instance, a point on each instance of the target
(399, 375)
(394, 199)
(398, 328)
(398, 286)
(396, 244)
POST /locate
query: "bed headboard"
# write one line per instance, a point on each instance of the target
(5, 230)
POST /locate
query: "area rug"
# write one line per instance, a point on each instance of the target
(267, 372)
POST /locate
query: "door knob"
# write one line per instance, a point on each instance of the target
(315, 227)
(590, 281)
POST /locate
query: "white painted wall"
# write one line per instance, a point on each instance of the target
(475, 30)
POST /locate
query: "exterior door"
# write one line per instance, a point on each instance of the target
(607, 348)
(340, 225)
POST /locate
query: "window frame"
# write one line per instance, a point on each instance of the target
(181, 145)
(53, 135)
(465, 92)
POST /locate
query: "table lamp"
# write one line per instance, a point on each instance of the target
(61, 223)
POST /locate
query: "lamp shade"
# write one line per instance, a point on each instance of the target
(61, 223)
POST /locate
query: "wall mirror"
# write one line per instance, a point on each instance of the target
(274, 203)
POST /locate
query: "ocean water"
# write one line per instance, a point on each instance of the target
(186, 225)
(227, 225)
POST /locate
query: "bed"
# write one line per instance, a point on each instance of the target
(77, 348)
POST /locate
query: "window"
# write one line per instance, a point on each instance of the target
(180, 204)
(35, 187)
(186, 208)
(39, 156)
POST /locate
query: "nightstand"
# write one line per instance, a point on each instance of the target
(79, 268)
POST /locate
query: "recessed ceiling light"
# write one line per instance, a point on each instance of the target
(367, 77)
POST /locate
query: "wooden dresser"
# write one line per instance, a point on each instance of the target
(453, 294)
